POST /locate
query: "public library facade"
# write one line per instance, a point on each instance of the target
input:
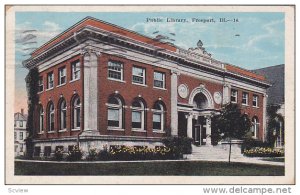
(101, 84)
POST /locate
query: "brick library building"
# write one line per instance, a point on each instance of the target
(101, 84)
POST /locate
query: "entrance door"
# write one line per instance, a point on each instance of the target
(199, 131)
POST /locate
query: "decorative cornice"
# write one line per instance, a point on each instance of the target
(96, 34)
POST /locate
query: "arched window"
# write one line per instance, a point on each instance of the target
(158, 117)
(255, 127)
(50, 115)
(41, 119)
(138, 115)
(76, 113)
(114, 112)
(63, 115)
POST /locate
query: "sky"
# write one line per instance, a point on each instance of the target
(255, 40)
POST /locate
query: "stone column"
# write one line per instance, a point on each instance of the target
(174, 111)
(226, 93)
(190, 126)
(90, 87)
(265, 97)
(208, 130)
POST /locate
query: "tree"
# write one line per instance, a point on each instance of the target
(231, 123)
(32, 89)
(273, 122)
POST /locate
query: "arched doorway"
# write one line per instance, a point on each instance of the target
(200, 103)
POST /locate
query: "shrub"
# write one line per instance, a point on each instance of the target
(251, 143)
(74, 154)
(179, 145)
(92, 154)
(59, 152)
(264, 152)
(104, 154)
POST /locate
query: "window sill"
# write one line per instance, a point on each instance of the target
(115, 129)
(158, 131)
(75, 130)
(41, 133)
(121, 81)
(142, 85)
(234, 102)
(40, 92)
(50, 132)
(61, 85)
(139, 130)
(74, 80)
(63, 130)
(160, 88)
(50, 89)
(247, 105)
(255, 107)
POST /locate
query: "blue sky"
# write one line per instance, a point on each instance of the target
(260, 42)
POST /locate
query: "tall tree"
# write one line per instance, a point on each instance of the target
(231, 124)
(273, 123)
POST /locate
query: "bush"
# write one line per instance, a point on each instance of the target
(74, 154)
(251, 143)
(264, 152)
(179, 145)
(92, 154)
(59, 153)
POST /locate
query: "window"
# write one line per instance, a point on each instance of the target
(41, 84)
(50, 117)
(245, 98)
(255, 127)
(115, 70)
(138, 75)
(158, 117)
(41, 119)
(159, 79)
(37, 151)
(137, 115)
(47, 151)
(63, 114)
(75, 70)
(15, 135)
(76, 113)
(234, 95)
(21, 123)
(21, 148)
(255, 100)
(50, 80)
(62, 78)
(15, 123)
(21, 136)
(114, 112)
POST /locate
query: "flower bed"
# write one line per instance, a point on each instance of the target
(264, 152)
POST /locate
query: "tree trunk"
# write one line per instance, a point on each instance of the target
(229, 150)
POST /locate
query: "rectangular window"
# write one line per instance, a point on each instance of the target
(234, 95)
(62, 76)
(21, 123)
(21, 148)
(159, 80)
(50, 80)
(255, 100)
(41, 84)
(51, 121)
(15, 135)
(47, 151)
(157, 121)
(75, 70)
(21, 136)
(138, 75)
(136, 119)
(113, 117)
(115, 70)
(37, 151)
(245, 98)
(15, 123)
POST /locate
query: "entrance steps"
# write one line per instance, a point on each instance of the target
(218, 152)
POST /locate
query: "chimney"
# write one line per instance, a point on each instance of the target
(22, 111)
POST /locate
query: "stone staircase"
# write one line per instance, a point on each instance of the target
(218, 152)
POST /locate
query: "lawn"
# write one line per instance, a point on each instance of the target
(189, 168)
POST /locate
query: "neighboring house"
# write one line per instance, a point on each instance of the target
(20, 133)
(100, 84)
(275, 75)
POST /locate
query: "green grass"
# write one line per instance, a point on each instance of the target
(190, 168)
